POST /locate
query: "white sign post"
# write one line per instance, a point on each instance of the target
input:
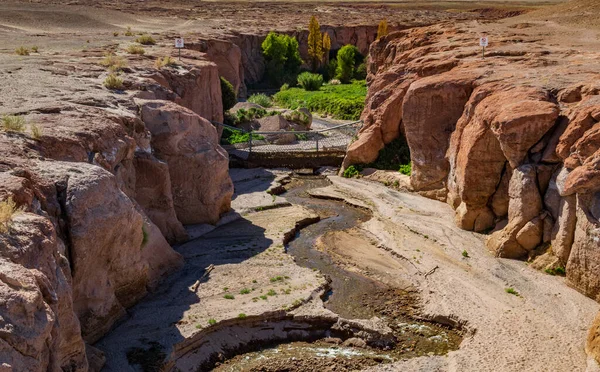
(179, 45)
(483, 43)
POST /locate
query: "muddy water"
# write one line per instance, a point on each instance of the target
(352, 296)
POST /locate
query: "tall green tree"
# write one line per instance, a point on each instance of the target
(282, 58)
(345, 63)
(315, 43)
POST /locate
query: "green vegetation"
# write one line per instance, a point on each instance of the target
(261, 99)
(511, 291)
(113, 82)
(405, 169)
(245, 291)
(35, 49)
(351, 172)
(346, 59)
(276, 279)
(198, 326)
(231, 137)
(309, 81)
(271, 292)
(22, 51)
(146, 40)
(229, 296)
(556, 271)
(392, 156)
(361, 72)
(129, 32)
(242, 316)
(227, 94)
(136, 49)
(13, 123)
(212, 321)
(339, 101)
(298, 117)
(245, 116)
(465, 254)
(263, 297)
(282, 58)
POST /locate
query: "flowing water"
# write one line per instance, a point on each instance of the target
(352, 296)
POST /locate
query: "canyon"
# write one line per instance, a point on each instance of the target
(126, 197)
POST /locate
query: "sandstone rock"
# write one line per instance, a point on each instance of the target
(592, 346)
(273, 123)
(153, 193)
(198, 166)
(530, 236)
(428, 129)
(525, 204)
(40, 329)
(584, 260)
(198, 88)
(563, 232)
(500, 198)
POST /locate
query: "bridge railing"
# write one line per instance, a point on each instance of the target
(333, 139)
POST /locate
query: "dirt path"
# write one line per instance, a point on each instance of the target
(544, 325)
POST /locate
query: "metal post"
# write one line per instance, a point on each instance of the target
(249, 142)
(317, 143)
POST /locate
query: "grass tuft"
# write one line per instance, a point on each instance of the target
(36, 131)
(166, 61)
(465, 254)
(261, 99)
(511, 291)
(212, 321)
(136, 49)
(242, 316)
(22, 51)
(350, 172)
(229, 297)
(35, 49)
(13, 123)
(8, 208)
(146, 40)
(114, 62)
(113, 82)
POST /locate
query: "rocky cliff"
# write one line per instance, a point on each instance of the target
(510, 141)
(102, 189)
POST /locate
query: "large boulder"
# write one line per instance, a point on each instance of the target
(198, 166)
(40, 331)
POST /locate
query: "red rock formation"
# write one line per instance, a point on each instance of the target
(494, 139)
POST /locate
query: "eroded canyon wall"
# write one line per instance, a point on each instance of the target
(510, 141)
(102, 193)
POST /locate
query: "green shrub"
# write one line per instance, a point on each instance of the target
(242, 316)
(394, 155)
(282, 58)
(113, 82)
(35, 49)
(310, 81)
(146, 40)
(351, 172)
(405, 169)
(136, 49)
(227, 94)
(285, 86)
(557, 271)
(22, 51)
(511, 291)
(361, 72)
(339, 101)
(13, 123)
(229, 297)
(261, 99)
(212, 321)
(114, 62)
(231, 137)
(345, 63)
(245, 291)
(297, 117)
(465, 254)
(271, 292)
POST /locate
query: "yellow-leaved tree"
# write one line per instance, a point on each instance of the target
(315, 43)
(382, 30)
(326, 45)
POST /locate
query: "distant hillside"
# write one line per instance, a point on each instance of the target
(584, 13)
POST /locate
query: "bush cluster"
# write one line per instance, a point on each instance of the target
(244, 116)
(227, 94)
(310, 81)
(339, 101)
(13, 123)
(231, 137)
(282, 58)
(260, 99)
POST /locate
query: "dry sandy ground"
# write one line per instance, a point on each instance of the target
(545, 325)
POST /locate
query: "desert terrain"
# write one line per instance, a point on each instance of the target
(130, 239)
